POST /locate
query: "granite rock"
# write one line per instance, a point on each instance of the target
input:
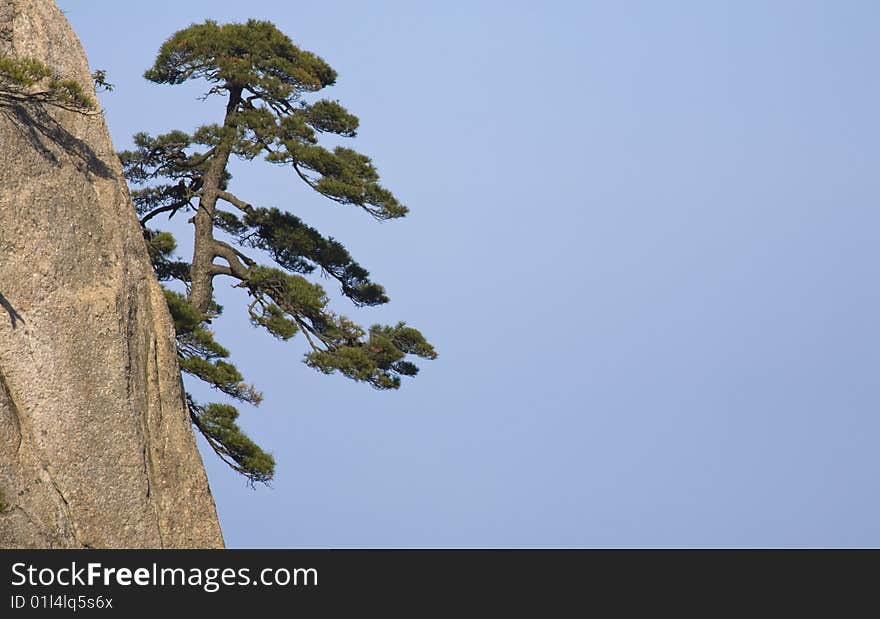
(96, 445)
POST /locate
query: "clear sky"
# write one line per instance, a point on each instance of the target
(644, 238)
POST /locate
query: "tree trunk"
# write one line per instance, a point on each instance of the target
(201, 292)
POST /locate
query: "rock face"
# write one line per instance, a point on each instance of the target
(96, 446)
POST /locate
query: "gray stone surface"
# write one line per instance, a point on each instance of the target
(96, 447)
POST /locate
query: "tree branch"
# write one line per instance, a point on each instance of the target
(44, 96)
(236, 202)
(235, 258)
(199, 160)
(175, 206)
(219, 269)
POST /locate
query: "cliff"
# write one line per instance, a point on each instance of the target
(96, 446)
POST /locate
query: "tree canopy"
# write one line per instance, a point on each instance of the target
(266, 83)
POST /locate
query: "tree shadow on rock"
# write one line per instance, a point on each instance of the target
(42, 131)
(14, 316)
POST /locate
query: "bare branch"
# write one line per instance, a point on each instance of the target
(235, 258)
(219, 269)
(236, 202)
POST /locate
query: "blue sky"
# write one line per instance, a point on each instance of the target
(644, 239)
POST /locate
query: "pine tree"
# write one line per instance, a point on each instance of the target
(265, 82)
